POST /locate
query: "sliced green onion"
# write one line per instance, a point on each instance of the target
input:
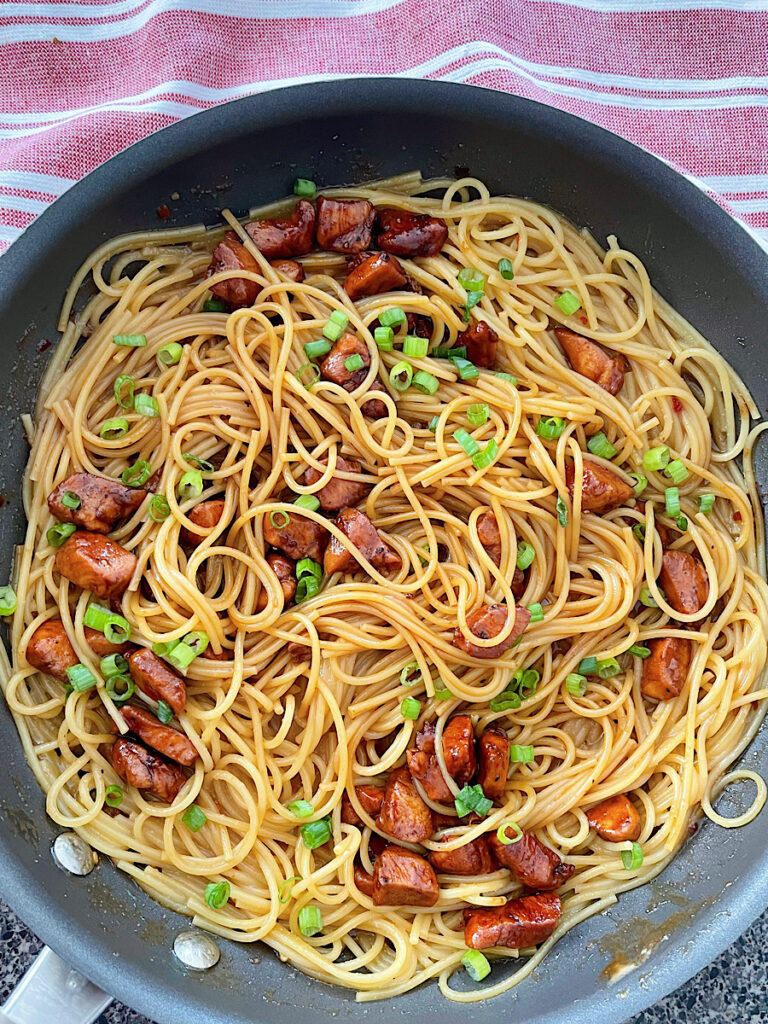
(656, 459)
(522, 755)
(483, 459)
(286, 889)
(562, 512)
(190, 485)
(600, 445)
(471, 280)
(504, 839)
(443, 693)
(217, 894)
(638, 531)
(537, 612)
(112, 429)
(80, 677)
(401, 375)
(632, 859)
(676, 471)
(304, 187)
(588, 666)
(113, 665)
(508, 700)
(476, 964)
(682, 523)
(308, 567)
(59, 533)
(164, 713)
(130, 340)
(170, 354)
(163, 647)
(279, 519)
(641, 482)
(159, 509)
(646, 598)
(198, 641)
(526, 555)
(120, 688)
(354, 362)
(706, 503)
(639, 651)
(8, 600)
(392, 317)
(410, 708)
(465, 369)
(114, 627)
(672, 502)
(433, 424)
(478, 413)
(505, 269)
(458, 352)
(310, 920)
(71, 500)
(414, 346)
(472, 798)
(117, 630)
(307, 587)
(214, 306)
(568, 303)
(316, 833)
(301, 808)
(146, 405)
(550, 427)
(194, 818)
(307, 501)
(526, 681)
(608, 668)
(472, 300)
(507, 377)
(113, 796)
(576, 684)
(181, 655)
(317, 349)
(467, 442)
(137, 474)
(408, 671)
(124, 388)
(314, 370)
(335, 325)
(384, 338)
(425, 382)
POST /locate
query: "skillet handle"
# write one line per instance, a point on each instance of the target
(53, 991)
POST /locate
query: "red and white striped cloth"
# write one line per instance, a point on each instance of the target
(686, 79)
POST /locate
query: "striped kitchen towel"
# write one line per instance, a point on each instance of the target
(686, 79)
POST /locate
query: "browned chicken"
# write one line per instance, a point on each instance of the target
(615, 819)
(361, 532)
(592, 361)
(493, 762)
(144, 770)
(376, 273)
(299, 537)
(157, 680)
(486, 623)
(403, 813)
(344, 225)
(338, 493)
(473, 858)
(96, 563)
(401, 878)
(601, 490)
(666, 669)
(371, 799)
(237, 292)
(102, 501)
(684, 581)
(285, 570)
(481, 342)
(290, 269)
(490, 536)
(333, 369)
(206, 515)
(410, 234)
(532, 863)
(284, 237)
(167, 741)
(520, 923)
(423, 766)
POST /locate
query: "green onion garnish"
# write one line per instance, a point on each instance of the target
(130, 340)
(471, 280)
(458, 352)
(410, 708)
(316, 833)
(641, 482)
(217, 894)
(600, 445)
(190, 485)
(483, 459)
(672, 502)
(306, 588)
(504, 839)
(507, 377)
(408, 672)
(526, 554)
(301, 808)
(59, 533)
(8, 600)
(567, 303)
(646, 598)
(414, 346)
(505, 269)
(562, 512)
(401, 375)
(537, 612)
(465, 369)
(170, 354)
(472, 798)
(639, 651)
(608, 668)
(550, 427)
(443, 693)
(113, 665)
(335, 325)
(214, 306)
(307, 501)
(632, 859)
(181, 655)
(112, 429)
(146, 405)
(71, 500)
(124, 388)
(194, 818)
(317, 349)
(304, 187)
(392, 317)
(137, 474)
(467, 442)
(308, 567)
(676, 471)
(706, 503)
(159, 509)
(120, 688)
(164, 713)
(476, 964)
(682, 523)
(354, 362)
(576, 684)
(433, 424)
(656, 459)
(478, 413)
(310, 920)
(508, 700)
(639, 532)
(279, 519)
(472, 300)
(425, 382)
(523, 755)
(80, 677)
(113, 796)
(314, 370)
(285, 891)
(116, 629)
(384, 338)
(588, 666)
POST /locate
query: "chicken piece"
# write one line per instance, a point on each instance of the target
(481, 342)
(333, 369)
(102, 501)
(207, 515)
(167, 741)
(371, 799)
(103, 647)
(285, 570)
(493, 762)
(423, 766)
(592, 361)
(487, 622)
(401, 878)
(363, 880)
(96, 563)
(377, 273)
(666, 669)
(50, 651)
(520, 923)
(300, 537)
(532, 863)
(684, 581)
(410, 234)
(237, 292)
(374, 408)
(157, 680)
(474, 858)
(459, 748)
(144, 770)
(344, 225)
(290, 269)
(601, 489)
(338, 493)
(403, 813)
(280, 238)
(418, 324)
(490, 536)
(361, 532)
(517, 586)
(616, 819)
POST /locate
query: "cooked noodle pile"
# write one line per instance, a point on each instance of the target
(272, 727)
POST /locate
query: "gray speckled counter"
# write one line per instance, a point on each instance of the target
(732, 990)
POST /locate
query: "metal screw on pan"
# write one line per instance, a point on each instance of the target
(73, 854)
(196, 950)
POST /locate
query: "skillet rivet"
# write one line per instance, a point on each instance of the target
(196, 950)
(73, 854)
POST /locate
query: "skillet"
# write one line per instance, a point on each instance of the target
(246, 153)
